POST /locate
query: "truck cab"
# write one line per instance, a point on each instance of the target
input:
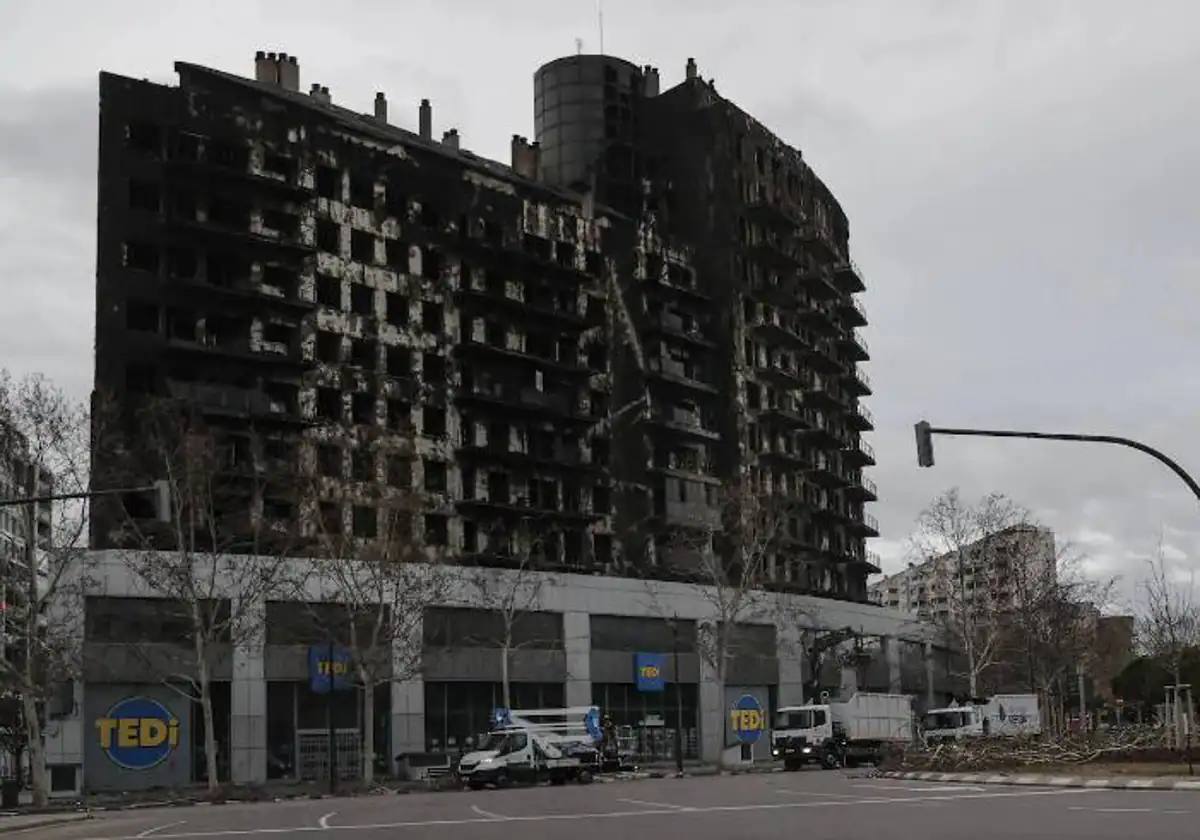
(530, 746)
(804, 734)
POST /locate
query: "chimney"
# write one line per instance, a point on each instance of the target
(380, 107)
(691, 69)
(650, 83)
(289, 72)
(525, 157)
(265, 69)
(321, 94)
(425, 120)
(450, 138)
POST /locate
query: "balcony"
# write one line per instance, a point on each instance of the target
(852, 312)
(868, 526)
(818, 283)
(861, 454)
(527, 310)
(792, 459)
(229, 401)
(672, 326)
(789, 418)
(860, 418)
(857, 381)
(782, 377)
(180, 227)
(683, 285)
(822, 357)
(776, 253)
(683, 423)
(820, 430)
(528, 401)
(521, 507)
(483, 350)
(773, 215)
(853, 346)
(820, 394)
(567, 458)
(204, 173)
(778, 331)
(678, 374)
(238, 350)
(819, 242)
(861, 489)
(848, 278)
(824, 472)
(867, 560)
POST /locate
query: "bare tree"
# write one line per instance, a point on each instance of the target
(512, 595)
(383, 585)
(1051, 627)
(1170, 621)
(967, 575)
(729, 558)
(44, 448)
(216, 561)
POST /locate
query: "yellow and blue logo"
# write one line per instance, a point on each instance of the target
(649, 673)
(747, 720)
(138, 733)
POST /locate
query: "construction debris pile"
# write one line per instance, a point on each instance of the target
(1123, 744)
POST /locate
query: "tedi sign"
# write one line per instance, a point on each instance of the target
(138, 733)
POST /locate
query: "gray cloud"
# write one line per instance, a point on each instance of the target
(1021, 180)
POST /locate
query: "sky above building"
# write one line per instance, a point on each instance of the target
(1021, 180)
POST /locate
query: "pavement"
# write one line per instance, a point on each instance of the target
(1054, 780)
(814, 804)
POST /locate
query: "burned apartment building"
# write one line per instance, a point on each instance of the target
(568, 355)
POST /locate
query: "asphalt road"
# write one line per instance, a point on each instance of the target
(810, 805)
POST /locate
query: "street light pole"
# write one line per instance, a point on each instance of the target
(925, 448)
(329, 714)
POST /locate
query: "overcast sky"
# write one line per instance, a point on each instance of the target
(1022, 181)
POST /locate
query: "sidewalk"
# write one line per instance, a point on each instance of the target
(1049, 780)
(25, 822)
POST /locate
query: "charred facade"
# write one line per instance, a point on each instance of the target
(567, 355)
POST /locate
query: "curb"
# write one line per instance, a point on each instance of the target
(1044, 780)
(49, 821)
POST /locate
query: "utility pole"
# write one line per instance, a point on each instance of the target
(329, 713)
(678, 695)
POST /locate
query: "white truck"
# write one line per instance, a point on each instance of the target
(1002, 715)
(837, 734)
(534, 745)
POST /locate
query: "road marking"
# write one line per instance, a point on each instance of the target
(655, 804)
(487, 814)
(938, 789)
(159, 828)
(324, 821)
(599, 815)
(1126, 810)
(819, 793)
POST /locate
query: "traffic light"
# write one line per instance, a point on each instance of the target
(162, 500)
(924, 444)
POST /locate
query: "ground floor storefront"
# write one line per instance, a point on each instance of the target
(590, 641)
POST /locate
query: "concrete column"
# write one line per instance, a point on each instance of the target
(408, 717)
(712, 714)
(891, 652)
(248, 702)
(791, 666)
(577, 643)
(408, 697)
(929, 675)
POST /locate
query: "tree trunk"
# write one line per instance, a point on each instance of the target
(29, 691)
(504, 684)
(368, 746)
(37, 750)
(210, 735)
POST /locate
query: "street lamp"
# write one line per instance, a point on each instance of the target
(674, 622)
